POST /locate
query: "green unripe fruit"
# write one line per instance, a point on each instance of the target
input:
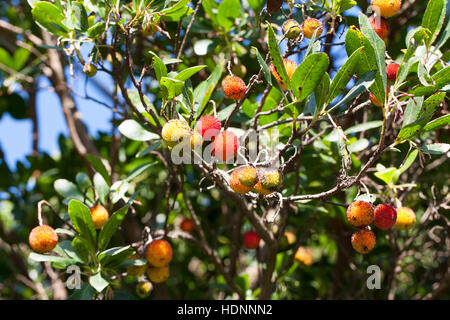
(143, 289)
(271, 179)
(291, 29)
(89, 70)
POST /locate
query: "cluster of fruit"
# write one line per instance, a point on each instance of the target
(225, 143)
(384, 9)
(361, 214)
(43, 238)
(260, 180)
(158, 254)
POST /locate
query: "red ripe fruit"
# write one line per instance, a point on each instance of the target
(225, 146)
(208, 127)
(251, 240)
(380, 26)
(234, 87)
(187, 225)
(385, 216)
(391, 71)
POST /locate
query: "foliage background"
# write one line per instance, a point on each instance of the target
(415, 264)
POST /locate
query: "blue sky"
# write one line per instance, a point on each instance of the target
(16, 135)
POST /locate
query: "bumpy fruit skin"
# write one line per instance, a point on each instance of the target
(158, 253)
(209, 127)
(385, 216)
(187, 225)
(251, 240)
(236, 185)
(304, 255)
(386, 8)
(89, 70)
(158, 275)
(271, 179)
(234, 87)
(360, 214)
(291, 29)
(391, 71)
(136, 270)
(260, 189)
(143, 289)
(405, 218)
(380, 26)
(175, 131)
(248, 176)
(225, 146)
(290, 67)
(309, 26)
(196, 140)
(99, 216)
(43, 239)
(363, 241)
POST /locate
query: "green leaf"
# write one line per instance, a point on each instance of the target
(159, 67)
(412, 110)
(263, 64)
(362, 85)
(139, 170)
(426, 112)
(204, 90)
(80, 16)
(115, 256)
(170, 87)
(101, 186)
(47, 258)
(276, 58)
(80, 215)
(98, 165)
(49, 17)
(364, 127)
(378, 45)
(67, 189)
(82, 248)
(111, 226)
(135, 131)
(321, 93)
(176, 12)
(308, 74)
(228, 11)
(433, 19)
(385, 174)
(408, 162)
(187, 73)
(85, 293)
(136, 100)
(354, 40)
(437, 123)
(344, 75)
(436, 148)
(98, 282)
(96, 30)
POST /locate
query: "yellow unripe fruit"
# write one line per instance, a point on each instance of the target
(158, 275)
(175, 131)
(136, 270)
(405, 218)
(99, 216)
(386, 8)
